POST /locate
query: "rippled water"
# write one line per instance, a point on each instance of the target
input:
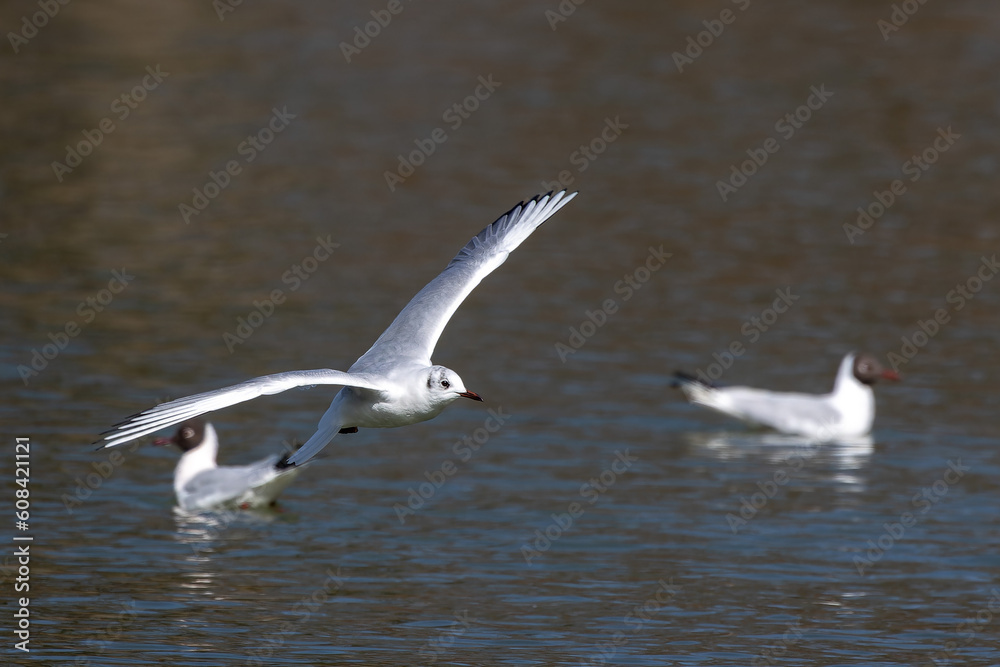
(606, 521)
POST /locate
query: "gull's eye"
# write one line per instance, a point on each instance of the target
(187, 433)
(445, 384)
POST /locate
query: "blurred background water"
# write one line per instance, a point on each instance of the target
(645, 107)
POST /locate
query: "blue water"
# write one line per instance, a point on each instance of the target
(606, 521)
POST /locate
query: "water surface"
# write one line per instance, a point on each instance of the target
(699, 542)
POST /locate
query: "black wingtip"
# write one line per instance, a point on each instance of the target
(124, 422)
(547, 196)
(537, 199)
(284, 463)
(564, 192)
(682, 378)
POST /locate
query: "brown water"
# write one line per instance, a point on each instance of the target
(657, 569)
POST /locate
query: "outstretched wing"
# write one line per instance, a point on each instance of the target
(182, 409)
(415, 331)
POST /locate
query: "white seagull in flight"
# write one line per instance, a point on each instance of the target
(394, 383)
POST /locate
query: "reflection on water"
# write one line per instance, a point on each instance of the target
(204, 531)
(843, 460)
(779, 447)
(333, 576)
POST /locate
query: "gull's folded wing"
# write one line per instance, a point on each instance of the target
(786, 412)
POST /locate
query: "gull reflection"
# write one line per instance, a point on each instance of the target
(843, 459)
(206, 531)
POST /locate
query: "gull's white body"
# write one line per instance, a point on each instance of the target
(846, 412)
(201, 484)
(394, 383)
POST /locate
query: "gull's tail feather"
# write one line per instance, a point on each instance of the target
(696, 390)
(682, 378)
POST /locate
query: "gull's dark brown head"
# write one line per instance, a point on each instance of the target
(868, 370)
(189, 435)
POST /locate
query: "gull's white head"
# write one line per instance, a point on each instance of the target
(444, 386)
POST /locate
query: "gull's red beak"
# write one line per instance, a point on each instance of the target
(471, 394)
(891, 375)
(160, 442)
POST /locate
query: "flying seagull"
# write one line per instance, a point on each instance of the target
(394, 383)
